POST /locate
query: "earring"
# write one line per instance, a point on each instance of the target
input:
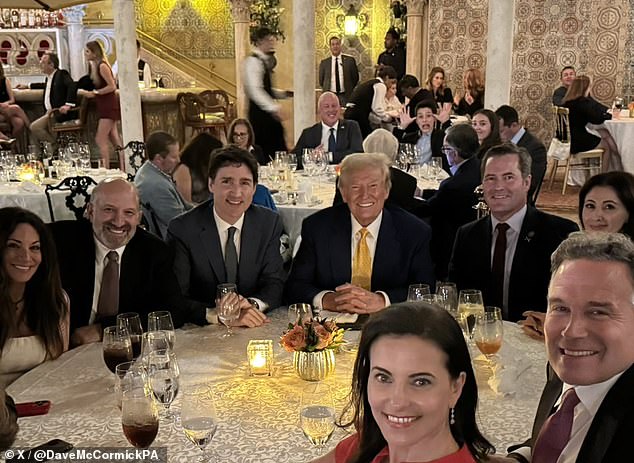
(452, 418)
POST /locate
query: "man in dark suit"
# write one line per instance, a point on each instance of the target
(410, 88)
(146, 280)
(394, 53)
(229, 240)
(345, 79)
(452, 205)
(339, 137)
(360, 256)
(590, 348)
(60, 92)
(511, 130)
(507, 254)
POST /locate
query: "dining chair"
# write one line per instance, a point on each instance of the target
(78, 197)
(204, 112)
(135, 150)
(590, 160)
(71, 130)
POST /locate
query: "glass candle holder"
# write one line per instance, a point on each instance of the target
(260, 357)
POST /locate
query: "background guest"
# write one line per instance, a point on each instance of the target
(435, 83)
(404, 354)
(338, 73)
(392, 108)
(428, 139)
(191, 174)
(394, 54)
(486, 125)
(107, 101)
(34, 312)
(472, 97)
(567, 75)
(143, 68)
(411, 89)
(14, 114)
(241, 134)
(584, 110)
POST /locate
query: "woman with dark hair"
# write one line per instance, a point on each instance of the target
(435, 83)
(191, 174)
(487, 126)
(584, 110)
(106, 99)
(473, 97)
(241, 134)
(414, 393)
(34, 309)
(606, 203)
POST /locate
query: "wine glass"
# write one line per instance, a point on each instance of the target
(152, 341)
(228, 306)
(128, 375)
(198, 417)
(618, 105)
(163, 377)
(161, 320)
(448, 294)
(436, 167)
(416, 291)
(470, 304)
(317, 414)
(292, 161)
(132, 322)
(299, 313)
(488, 331)
(73, 154)
(139, 417)
(117, 347)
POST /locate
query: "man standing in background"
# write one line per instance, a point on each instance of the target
(338, 73)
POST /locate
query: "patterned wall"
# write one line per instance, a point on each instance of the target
(195, 28)
(549, 34)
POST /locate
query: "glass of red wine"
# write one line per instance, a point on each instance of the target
(132, 322)
(117, 347)
(139, 417)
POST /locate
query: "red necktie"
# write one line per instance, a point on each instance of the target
(555, 432)
(497, 266)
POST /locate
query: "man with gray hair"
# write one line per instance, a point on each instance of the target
(360, 257)
(506, 255)
(590, 347)
(330, 134)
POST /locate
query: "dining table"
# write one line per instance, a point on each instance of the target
(258, 416)
(622, 131)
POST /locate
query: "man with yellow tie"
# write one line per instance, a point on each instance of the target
(360, 257)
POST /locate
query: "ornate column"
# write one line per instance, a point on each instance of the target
(129, 96)
(499, 53)
(303, 65)
(417, 38)
(74, 17)
(241, 19)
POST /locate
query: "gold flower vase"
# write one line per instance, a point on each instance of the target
(314, 366)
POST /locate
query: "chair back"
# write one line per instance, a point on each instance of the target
(561, 123)
(77, 198)
(136, 155)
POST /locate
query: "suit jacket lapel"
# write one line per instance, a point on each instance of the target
(249, 244)
(523, 248)
(340, 247)
(387, 247)
(211, 244)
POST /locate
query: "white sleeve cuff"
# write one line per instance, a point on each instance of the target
(318, 299)
(386, 297)
(212, 316)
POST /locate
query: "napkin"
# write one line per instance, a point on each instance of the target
(29, 187)
(339, 317)
(509, 370)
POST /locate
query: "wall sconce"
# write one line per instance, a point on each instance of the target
(260, 356)
(352, 22)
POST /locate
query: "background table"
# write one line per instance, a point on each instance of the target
(622, 130)
(259, 417)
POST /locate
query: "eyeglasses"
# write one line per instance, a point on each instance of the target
(448, 150)
(240, 135)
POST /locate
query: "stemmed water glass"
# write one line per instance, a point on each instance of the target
(470, 304)
(488, 331)
(132, 322)
(448, 295)
(73, 154)
(416, 292)
(161, 320)
(198, 417)
(152, 341)
(317, 414)
(436, 167)
(228, 306)
(139, 416)
(163, 377)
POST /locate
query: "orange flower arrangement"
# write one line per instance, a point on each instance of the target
(313, 335)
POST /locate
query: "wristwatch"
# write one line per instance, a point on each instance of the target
(254, 303)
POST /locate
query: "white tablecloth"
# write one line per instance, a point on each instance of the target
(32, 197)
(258, 416)
(622, 130)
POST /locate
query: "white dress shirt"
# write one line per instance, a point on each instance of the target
(512, 235)
(47, 91)
(100, 264)
(378, 101)
(333, 70)
(371, 240)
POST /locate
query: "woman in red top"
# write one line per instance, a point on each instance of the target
(414, 394)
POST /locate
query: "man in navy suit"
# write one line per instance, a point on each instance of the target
(229, 240)
(360, 256)
(511, 130)
(346, 67)
(590, 348)
(527, 237)
(452, 205)
(331, 134)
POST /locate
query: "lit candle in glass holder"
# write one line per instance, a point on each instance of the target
(260, 355)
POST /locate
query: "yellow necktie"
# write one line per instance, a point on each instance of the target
(362, 262)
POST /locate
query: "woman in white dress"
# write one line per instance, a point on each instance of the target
(34, 312)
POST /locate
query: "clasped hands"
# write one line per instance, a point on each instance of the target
(250, 316)
(353, 299)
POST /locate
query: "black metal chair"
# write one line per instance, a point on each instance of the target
(136, 155)
(78, 197)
